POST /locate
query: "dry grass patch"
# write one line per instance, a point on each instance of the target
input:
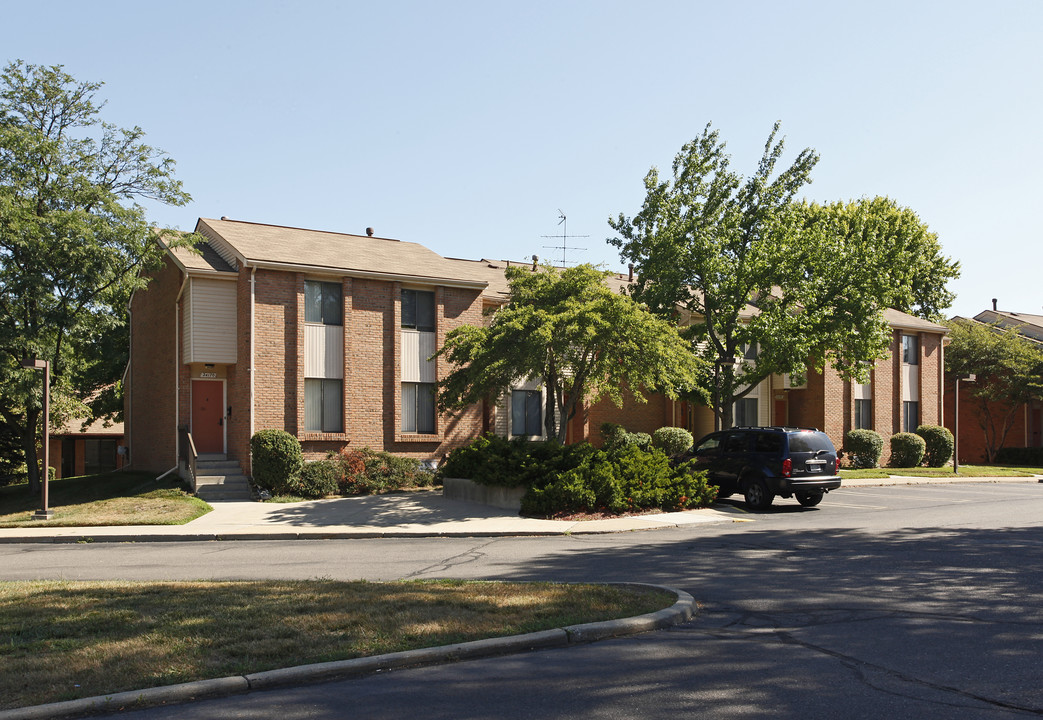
(65, 640)
(118, 498)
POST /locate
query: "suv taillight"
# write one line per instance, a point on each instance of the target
(787, 468)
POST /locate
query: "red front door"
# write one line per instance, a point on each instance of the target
(208, 432)
(781, 412)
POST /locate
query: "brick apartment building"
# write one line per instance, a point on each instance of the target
(328, 335)
(1026, 429)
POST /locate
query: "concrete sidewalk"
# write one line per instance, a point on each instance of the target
(411, 514)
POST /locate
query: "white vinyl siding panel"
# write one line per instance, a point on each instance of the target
(863, 392)
(417, 347)
(210, 321)
(324, 351)
(910, 383)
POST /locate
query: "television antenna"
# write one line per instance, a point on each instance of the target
(564, 237)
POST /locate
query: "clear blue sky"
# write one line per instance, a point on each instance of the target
(466, 126)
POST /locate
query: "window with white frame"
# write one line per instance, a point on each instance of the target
(323, 357)
(526, 412)
(418, 370)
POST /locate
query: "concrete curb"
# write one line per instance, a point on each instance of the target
(681, 611)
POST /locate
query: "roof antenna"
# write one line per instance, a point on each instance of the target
(564, 237)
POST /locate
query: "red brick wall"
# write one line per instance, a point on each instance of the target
(931, 368)
(149, 402)
(635, 416)
(972, 435)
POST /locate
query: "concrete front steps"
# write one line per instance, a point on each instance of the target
(220, 479)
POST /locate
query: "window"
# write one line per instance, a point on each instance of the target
(910, 416)
(526, 412)
(323, 405)
(322, 303)
(418, 408)
(748, 350)
(863, 414)
(746, 412)
(418, 310)
(98, 456)
(910, 350)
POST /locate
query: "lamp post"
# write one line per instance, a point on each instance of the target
(970, 377)
(44, 513)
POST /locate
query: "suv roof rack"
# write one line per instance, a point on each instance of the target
(784, 428)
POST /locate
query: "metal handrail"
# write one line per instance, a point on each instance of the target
(189, 455)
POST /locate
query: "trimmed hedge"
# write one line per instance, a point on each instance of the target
(1025, 457)
(366, 472)
(939, 444)
(581, 478)
(863, 448)
(616, 436)
(672, 440)
(277, 460)
(907, 450)
(317, 479)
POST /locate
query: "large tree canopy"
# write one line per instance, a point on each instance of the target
(568, 330)
(72, 241)
(804, 284)
(1008, 370)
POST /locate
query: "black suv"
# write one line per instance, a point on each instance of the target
(762, 462)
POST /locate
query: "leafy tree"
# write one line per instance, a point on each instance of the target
(571, 331)
(1009, 370)
(799, 284)
(72, 242)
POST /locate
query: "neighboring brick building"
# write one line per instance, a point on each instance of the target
(1026, 430)
(325, 335)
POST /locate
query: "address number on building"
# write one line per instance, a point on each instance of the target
(208, 375)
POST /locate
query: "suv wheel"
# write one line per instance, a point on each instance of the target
(758, 497)
(809, 499)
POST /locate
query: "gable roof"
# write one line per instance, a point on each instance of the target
(287, 248)
(1029, 326)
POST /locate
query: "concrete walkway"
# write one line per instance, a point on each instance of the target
(411, 514)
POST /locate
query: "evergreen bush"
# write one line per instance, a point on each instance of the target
(863, 447)
(939, 444)
(672, 440)
(907, 450)
(277, 460)
(366, 472)
(316, 479)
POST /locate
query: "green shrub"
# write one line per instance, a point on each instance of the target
(1024, 457)
(939, 444)
(616, 436)
(277, 460)
(907, 450)
(366, 472)
(672, 440)
(863, 448)
(316, 479)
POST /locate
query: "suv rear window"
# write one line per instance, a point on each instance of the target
(809, 442)
(767, 443)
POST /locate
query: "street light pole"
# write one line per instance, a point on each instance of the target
(44, 513)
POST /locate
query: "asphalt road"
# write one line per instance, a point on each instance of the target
(897, 602)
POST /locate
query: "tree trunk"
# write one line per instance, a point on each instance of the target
(32, 463)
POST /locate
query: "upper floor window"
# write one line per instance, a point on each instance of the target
(418, 310)
(322, 303)
(748, 350)
(910, 350)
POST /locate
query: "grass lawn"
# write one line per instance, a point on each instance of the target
(65, 640)
(116, 498)
(945, 472)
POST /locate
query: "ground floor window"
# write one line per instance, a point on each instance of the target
(418, 408)
(98, 456)
(910, 416)
(745, 412)
(323, 405)
(526, 412)
(863, 414)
